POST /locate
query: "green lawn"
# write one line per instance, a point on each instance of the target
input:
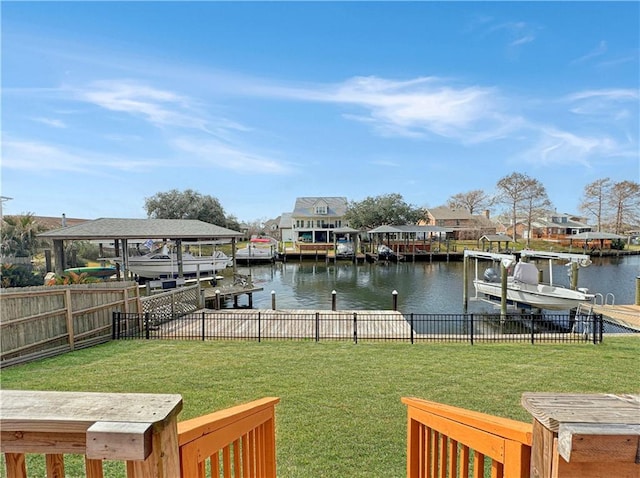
(340, 413)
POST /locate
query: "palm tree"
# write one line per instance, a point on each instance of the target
(19, 235)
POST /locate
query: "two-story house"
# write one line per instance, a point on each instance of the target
(314, 218)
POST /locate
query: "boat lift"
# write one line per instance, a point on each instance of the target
(507, 260)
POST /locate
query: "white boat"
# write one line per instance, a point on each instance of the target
(344, 249)
(257, 250)
(523, 288)
(165, 264)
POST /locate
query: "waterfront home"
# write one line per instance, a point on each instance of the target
(463, 224)
(314, 220)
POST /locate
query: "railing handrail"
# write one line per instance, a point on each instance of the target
(442, 440)
(502, 427)
(194, 428)
(240, 438)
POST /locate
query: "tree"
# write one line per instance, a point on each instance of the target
(187, 204)
(535, 202)
(624, 201)
(524, 195)
(594, 199)
(376, 211)
(19, 235)
(472, 201)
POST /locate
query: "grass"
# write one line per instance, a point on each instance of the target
(340, 413)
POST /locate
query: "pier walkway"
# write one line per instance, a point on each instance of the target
(625, 315)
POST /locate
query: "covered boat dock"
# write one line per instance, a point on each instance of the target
(121, 231)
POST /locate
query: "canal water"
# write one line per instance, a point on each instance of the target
(422, 287)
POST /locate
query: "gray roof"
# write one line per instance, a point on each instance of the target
(286, 222)
(596, 235)
(408, 228)
(109, 228)
(444, 213)
(337, 206)
(496, 238)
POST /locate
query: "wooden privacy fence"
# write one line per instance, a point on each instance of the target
(238, 442)
(445, 441)
(43, 321)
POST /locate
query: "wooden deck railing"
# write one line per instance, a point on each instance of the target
(238, 442)
(445, 441)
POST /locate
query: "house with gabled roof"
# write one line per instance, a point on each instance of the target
(314, 218)
(558, 226)
(463, 224)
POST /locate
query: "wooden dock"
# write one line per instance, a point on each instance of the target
(211, 294)
(294, 324)
(625, 315)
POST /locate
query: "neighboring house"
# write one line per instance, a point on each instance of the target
(272, 228)
(286, 227)
(314, 218)
(49, 222)
(463, 224)
(557, 226)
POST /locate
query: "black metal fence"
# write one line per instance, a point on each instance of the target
(360, 326)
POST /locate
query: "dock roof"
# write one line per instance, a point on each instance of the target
(111, 228)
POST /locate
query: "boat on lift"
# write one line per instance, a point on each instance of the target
(523, 287)
(259, 249)
(163, 263)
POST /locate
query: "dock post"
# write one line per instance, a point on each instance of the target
(638, 290)
(395, 300)
(217, 299)
(465, 280)
(273, 300)
(503, 289)
(333, 300)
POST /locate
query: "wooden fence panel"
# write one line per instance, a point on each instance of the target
(43, 321)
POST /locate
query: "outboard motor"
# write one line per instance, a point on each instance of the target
(490, 275)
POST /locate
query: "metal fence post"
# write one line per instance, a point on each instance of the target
(533, 335)
(203, 325)
(147, 322)
(411, 323)
(355, 327)
(259, 331)
(113, 325)
(317, 326)
(601, 327)
(471, 329)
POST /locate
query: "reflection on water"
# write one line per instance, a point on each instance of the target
(432, 288)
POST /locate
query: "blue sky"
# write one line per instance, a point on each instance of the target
(256, 103)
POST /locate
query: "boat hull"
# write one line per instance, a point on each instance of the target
(100, 272)
(255, 255)
(540, 296)
(152, 266)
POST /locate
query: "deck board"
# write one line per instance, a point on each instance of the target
(232, 323)
(626, 315)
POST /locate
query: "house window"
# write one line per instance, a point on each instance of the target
(321, 209)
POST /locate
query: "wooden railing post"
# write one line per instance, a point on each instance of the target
(140, 429)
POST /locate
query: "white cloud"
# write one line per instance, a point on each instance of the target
(599, 50)
(223, 156)
(160, 107)
(556, 147)
(42, 157)
(55, 123)
(617, 104)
